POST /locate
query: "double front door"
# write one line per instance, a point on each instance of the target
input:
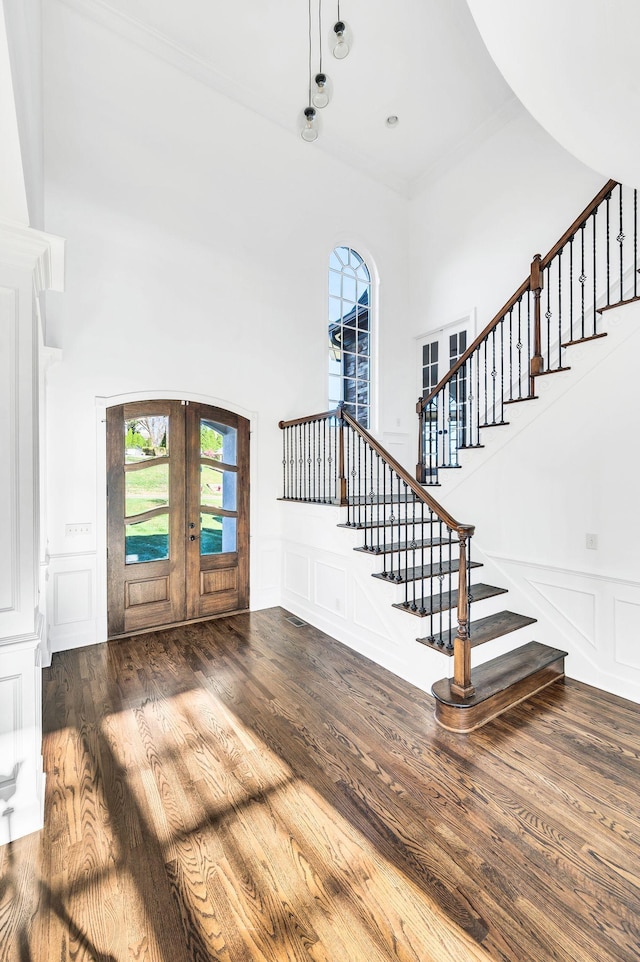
(177, 513)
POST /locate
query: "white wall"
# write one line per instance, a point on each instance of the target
(198, 236)
(475, 230)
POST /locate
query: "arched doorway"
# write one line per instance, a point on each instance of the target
(177, 513)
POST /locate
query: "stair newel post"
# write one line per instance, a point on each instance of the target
(536, 284)
(420, 466)
(461, 683)
(342, 477)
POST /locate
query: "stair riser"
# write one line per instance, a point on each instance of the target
(401, 513)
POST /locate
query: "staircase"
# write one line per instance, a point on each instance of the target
(425, 552)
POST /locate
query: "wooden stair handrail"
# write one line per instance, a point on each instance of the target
(424, 496)
(542, 264)
(422, 403)
(578, 222)
(311, 417)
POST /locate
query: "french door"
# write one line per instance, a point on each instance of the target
(445, 426)
(177, 513)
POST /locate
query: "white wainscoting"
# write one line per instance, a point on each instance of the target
(327, 584)
(71, 601)
(266, 573)
(74, 582)
(21, 774)
(592, 616)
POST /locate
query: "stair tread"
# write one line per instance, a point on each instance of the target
(582, 340)
(494, 424)
(424, 571)
(551, 370)
(377, 550)
(481, 631)
(499, 674)
(449, 599)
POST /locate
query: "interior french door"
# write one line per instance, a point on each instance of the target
(177, 513)
(445, 430)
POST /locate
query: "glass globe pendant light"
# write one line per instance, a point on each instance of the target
(341, 47)
(309, 132)
(320, 96)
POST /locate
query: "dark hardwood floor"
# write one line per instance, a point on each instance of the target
(245, 790)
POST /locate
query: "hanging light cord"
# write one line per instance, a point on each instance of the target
(320, 32)
(339, 17)
(309, 52)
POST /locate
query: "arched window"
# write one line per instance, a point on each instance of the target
(350, 333)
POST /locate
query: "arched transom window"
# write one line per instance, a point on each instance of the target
(350, 333)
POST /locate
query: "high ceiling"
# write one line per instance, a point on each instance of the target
(422, 60)
(574, 66)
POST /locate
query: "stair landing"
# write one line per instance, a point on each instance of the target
(499, 685)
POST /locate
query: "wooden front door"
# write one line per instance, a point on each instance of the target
(177, 513)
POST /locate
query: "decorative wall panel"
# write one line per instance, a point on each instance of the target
(296, 574)
(626, 617)
(8, 458)
(331, 588)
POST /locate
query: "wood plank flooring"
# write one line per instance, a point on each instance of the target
(244, 790)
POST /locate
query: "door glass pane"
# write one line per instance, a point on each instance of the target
(217, 534)
(217, 488)
(147, 540)
(146, 438)
(146, 489)
(218, 441)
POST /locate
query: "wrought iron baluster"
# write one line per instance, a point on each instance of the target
(478, 355)
(284, 463)
(582, 278)
(548, 316)
(422, 539)
(531, 391)
(438, 574)
(377, 528)
(595, 293)
(501, 392)
(400, 508)
(621, 239)
(494, 375)
(519, 346)
(414, 546)
(571, 288)
(309, 460)
(324, 460)
(314, 431)
(511, 353)
(486, 387)
(560, 308)
(469, 592)
(607, 199)
(450, 587)
(635, 243)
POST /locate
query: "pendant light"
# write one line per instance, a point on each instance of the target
(310, 130)
(319, 93)
(320, 96)
(340, 44)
